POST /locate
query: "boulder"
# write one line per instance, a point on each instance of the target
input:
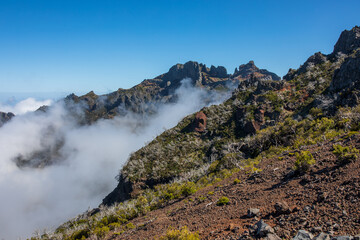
(322, 236)
(262, 229)
(303, 235)
(282, 208)
(200, 122)
(272, 236)
(342, 238)
(253, 212)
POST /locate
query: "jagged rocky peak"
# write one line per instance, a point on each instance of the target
(349, 40)
(5, 117)
(219, 72)
(317, 58)
(247, 71)
(192, 70)
(180, 71)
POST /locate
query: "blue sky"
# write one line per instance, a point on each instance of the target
(83, 45)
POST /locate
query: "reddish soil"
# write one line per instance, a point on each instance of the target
(325, 199)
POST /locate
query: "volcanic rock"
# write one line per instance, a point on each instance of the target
(200, 122)
(282, 208)
(253, 212)
(303, 235)
(262, 229)
(322, 236)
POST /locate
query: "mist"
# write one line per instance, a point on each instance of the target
(27, 105)
(84, 167)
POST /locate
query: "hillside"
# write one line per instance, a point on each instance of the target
(287, 147)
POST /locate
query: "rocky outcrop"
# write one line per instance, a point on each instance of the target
(245, 71)
(348, 41)
(178, 72)
(5, 117)
(200, 122)
(219, 72)
(348, 76)
(317, 58)
(120, 193)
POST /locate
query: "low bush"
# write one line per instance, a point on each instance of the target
(303, 162)
(345, 154)
(222, 201)
(183, 234)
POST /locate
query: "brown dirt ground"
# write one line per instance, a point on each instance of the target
(326, 198)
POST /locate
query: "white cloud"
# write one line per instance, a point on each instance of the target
(24, 106)
(87, 163)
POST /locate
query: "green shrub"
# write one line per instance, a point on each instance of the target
(188, 188)
(303, 161)
(237, 181)
(101, 231)
(222, 201)
(130, 226)
(345, 154)
(81, 234)
(183, 234)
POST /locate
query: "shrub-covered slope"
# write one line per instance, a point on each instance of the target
(289, 137)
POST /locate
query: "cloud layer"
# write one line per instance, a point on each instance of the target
(86, 162)
(24, 106)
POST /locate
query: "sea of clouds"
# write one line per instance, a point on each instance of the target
(87, 160)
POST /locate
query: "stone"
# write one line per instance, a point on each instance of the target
(342, 238)
(303, 235)
(200, 122)
(322, 236)
(272, 236)
(262, 229)
(253, 212)
(282, 208)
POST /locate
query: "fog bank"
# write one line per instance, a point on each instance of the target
(85, 164)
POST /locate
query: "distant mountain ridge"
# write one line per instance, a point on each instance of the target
(143, 97)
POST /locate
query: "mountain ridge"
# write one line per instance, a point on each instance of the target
(142, 97)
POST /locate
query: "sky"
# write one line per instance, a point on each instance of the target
(78, 46)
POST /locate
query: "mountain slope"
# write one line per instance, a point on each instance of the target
(293, 140)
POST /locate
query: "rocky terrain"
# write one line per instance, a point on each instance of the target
(278, 159)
